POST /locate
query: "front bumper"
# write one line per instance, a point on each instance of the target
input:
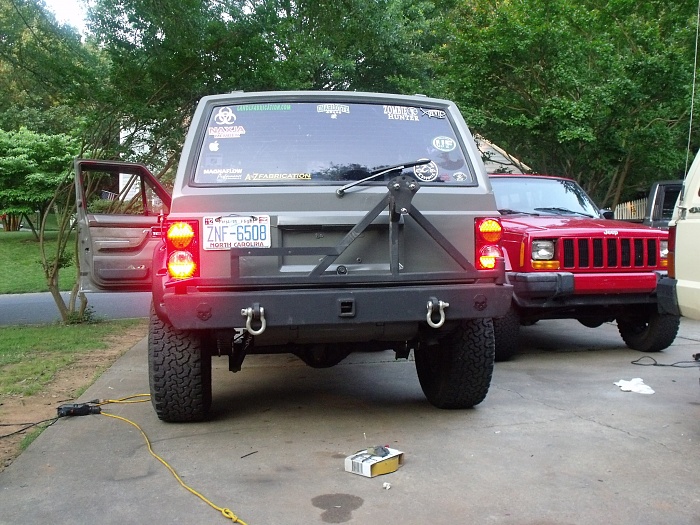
(564, 289)
(667, 296)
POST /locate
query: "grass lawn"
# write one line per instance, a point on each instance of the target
(20, 260)
(30, 356)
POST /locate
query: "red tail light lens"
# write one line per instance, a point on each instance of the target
(180, 234)
(488, 234)
(671, 261)
(183, 249)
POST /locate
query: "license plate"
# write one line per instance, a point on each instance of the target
(224, 233)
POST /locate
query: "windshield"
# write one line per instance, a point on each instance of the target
(542, 196)
(309, 143)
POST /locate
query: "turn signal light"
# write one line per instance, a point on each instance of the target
(180, 235)
(488, 256)
(491, 230)
(181, 265)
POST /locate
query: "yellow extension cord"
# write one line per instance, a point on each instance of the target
(130, 399)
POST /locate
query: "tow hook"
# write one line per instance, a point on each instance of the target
(434, 304)
(257, 313)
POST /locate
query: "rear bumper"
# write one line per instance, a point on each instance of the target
(558, 289)
(328, 308)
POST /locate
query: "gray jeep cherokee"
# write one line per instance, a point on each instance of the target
(315, 223)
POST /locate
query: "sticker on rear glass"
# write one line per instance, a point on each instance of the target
(226, 128)
(333, 109)
(277, 176)
(433, 113)
(264, 107)
(445, 144)
(224, 233)
(401, 113)
(426, 172)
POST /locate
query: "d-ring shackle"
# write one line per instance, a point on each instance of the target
(256, 312)
(441, 305)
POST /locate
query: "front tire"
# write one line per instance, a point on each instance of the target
(179, 371)
(457, 372)
(507, 334)
(651, 334)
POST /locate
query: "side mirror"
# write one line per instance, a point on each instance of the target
(607, 213)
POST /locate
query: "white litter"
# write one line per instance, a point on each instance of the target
(387, 486)
(634, 385)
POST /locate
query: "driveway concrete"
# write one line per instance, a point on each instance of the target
(555, 442)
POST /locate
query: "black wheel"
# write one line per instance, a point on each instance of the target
(179, 372)
(652, 333)
(507, 333)
(457, 372)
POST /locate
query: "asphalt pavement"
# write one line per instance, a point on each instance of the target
(556, 442)
(40, 308)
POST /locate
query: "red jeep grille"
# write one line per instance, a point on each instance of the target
(610, 253)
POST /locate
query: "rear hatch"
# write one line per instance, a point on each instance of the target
(310, 188)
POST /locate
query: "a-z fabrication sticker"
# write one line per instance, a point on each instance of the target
(224, 233)
(277, 176)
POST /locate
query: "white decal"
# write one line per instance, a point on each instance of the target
(433, 113)
(333, 109)
(426, 172)
(445, 144)
(214, 146)
(610, 232)
(226, 132)
(225, 116)
(401, 113)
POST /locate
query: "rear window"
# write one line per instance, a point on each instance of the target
(322, 143)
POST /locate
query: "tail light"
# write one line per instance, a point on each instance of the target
(488, 234)
(182, 241)
(671, 252)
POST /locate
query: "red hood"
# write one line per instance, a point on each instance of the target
(568, 225)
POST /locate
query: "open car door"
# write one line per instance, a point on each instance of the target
(120, 206)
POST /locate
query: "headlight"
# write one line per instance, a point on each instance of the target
(663, 249)
(542, 250)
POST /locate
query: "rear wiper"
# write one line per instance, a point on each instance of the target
(563, 211)
(508, 211)
(378, 173)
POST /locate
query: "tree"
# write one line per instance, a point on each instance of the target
(32, 165)
(595, 90)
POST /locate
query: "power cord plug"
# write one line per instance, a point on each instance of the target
(77, 409)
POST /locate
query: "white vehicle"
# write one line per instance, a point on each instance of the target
(680, 293)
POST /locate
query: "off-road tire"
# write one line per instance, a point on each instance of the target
(456, 373)
(654, 334)
(507, 332)
(179, 372)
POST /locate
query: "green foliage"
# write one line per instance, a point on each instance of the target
(31, 166)
(598, 91)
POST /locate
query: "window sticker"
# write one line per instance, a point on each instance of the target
(426, 172)
(225, 119)
(333, 109)
(433, 113)
(445, 144)
(277, 176)
(264, 107)
(401, 113)
(460, 176)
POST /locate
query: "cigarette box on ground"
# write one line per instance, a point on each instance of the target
(369, 465)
